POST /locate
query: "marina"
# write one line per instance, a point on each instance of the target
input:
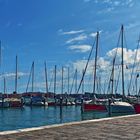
(69, 69)
(34, 109)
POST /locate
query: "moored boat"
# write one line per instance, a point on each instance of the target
(38, 100)
(4, 104)
(96, 105)
(51, 101)
(137, 108)
(14, 102)
(121, 107)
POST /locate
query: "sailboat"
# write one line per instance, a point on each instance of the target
(121, 106)
(51, 99)
(135, 100)
(70, 99)
(113, 105)
(62, 100)
(3, 102)
(94, 104)
(3, 98)
(27, 95)
(34, 98)
(15, 99)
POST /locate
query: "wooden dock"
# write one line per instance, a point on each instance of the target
(116, 128)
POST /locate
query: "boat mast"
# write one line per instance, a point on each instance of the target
(83, 83)
(55, 79)
(122, 35)
(16, 76)
(46, 78)
(136, 83)
(84, 72)
(132, 72)
(75, 80)
(100, 85)
(4, 80)
(33, 76)
(95, 64)
(62, 80)
(68, 79)
(112, 77)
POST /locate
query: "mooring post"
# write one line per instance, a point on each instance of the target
(2, 100)
(61, 101)
(44, 101)
(82, 103)
(109, 107)
(22, 102)
(31, 100)
(55, 100)
(66, 101)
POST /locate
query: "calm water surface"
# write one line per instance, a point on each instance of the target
(11, 119)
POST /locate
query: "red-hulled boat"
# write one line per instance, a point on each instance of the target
(15, 100)
(15, 103)
(137, 108)
(94, 107)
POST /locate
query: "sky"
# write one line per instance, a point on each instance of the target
(62, 32)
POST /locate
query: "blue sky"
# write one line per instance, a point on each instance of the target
(61, 32)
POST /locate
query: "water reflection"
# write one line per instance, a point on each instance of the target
(94, 115)
(11, 119)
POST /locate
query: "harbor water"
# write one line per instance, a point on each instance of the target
(27, 117)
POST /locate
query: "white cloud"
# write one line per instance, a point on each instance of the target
(80, 66)
(129, 55)
(70, 32)
(105, 63)
(12, 75)
(113, 4)
(78, 38)
(94, 34)
(80, 48)
(104, 66)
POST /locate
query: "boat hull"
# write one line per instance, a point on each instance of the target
(15, 104)
(137, 108)
(51, 103)
(5, 104)
(39, 104)
(121, 109)
(94, 107)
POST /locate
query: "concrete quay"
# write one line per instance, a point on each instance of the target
(115, 128)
